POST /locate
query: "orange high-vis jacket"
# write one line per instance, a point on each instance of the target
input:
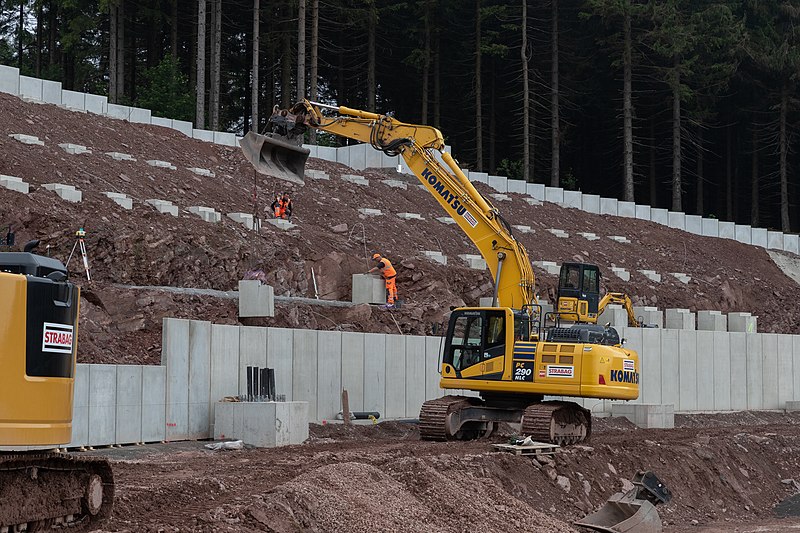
(387, 270)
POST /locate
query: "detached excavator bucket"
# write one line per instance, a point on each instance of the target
(275, 157)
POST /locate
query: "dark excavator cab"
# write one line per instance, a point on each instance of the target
(578, 294)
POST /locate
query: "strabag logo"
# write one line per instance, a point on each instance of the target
(57, 338)
(449, 197)
(554, 371)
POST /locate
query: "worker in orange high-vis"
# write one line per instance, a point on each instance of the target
(389, 274)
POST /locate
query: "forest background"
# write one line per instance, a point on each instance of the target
(690, 105)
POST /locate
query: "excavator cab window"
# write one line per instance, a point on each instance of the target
(473, 337)
(582, 282)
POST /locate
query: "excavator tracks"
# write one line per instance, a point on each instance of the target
(557, 422)
(52, 491)
(433, 417)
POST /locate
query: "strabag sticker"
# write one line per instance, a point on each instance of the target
(559, 371)
(628, 365)
(470, 219)
(57, 338)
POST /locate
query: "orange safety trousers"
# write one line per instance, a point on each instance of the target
(391, 289)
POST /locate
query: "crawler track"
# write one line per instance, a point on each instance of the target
(557, 422)
(433, 417)
(47, 491)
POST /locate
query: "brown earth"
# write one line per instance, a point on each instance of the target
(143, 247)
(726, 473)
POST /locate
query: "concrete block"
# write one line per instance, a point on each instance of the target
(621, 273)
(744, 322)
(743, 234)
(51, 92)
(128, 424)
(154, 407)
(795, 363)
(206, 213)
(591, 203)
(203, 135)
(352, 371)
(712, 321)
(659, 216)
(373, 158)
(694, 224)
(199, 420)
(646, 415)
(305, 351)
(474, 261)
(410, 216)
(650, 363)
(366, 211)
(775, 240)
(121, 112)
(30, 87)
(500, 197)
(554, 195)
(608, 206)
(96, 104)
(759, 237)
(9, 80)
(375, 376)
(652, 275)
(140, 116)
(184, 127)
(281, 224)
(71, 99)
(163, 122)
(669, 366)
(256, 299)
(548, 266)
(680, 276)
(615, 315)
(722, 371)
(710, 227)
(224, 363)
(163, 206)
(679, 319)
(66, 192)
(522, 229)
(396, 376)
(705, 370)
(535, 190)
(175, 344)
(397, 184)
(677, 220)
(517, 186)
(769, 371)
(498, 183)
(435, 256)
(727, 230)
(245, 219)
(280, 357)
(588, 236)
(649, 315)
(328, 153)
(573, 199)
(161, 164)
(317, 175)
(224, 138)
(626, 209)
(738, 374)
(358, 156)
(415, 375)
(791, 243)
(642, 212)
(785, 356)
(434, 346)
(80, 394)
(14, 183)
(74, 149)
(102, 404)
(358, 180)
(26, 139)
(368, 289)
(561, 234)
(201, 172)
(119, 156)
(687, 370)
(329, 374)
(754, 390)
(620, 239)
(444, 220)
(262, 424)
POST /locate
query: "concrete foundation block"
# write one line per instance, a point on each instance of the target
(51, 92)
(161, 164)
(651, 316)
(317, 175)
(70, 99)
(397, 184)
(410, 216)
(282, 224)
(573, 199)
(358, 180)
(396, 376)
(680, 276)
(329, 374)
(591, 203)
(119, 156)
(727, 230)
(175, 345)
(375, 372)
(443, 220)
(66, 192)
(626, 209)
(30, 87)
(262, 424)
(791, 243)
(554, 195)
(474, 261)
(615, 315)
(366, 211)
(26, 139)
(96, 104)
(163, 122)
(621, 273)
(203, 135)
(659, 216)
(120, 199)
(646, 415)
(561, 234)
(517, 186)
(80, 401)
(744, 322)
(252, 352)
(608, 206)
(498, 183)
(163, 206)
(225, 138)
(129, 404)
(643, 212)
(775, 240)
(694, 224)
(620, 239)
(679, 319)
(712, 321)
(368, 289)
(245, 219)
(154, 407)
(743, 234)
(201, 172)
(435, 256)
(652, 275)
(535, 190)
(500, 197)
(677, 220)
(759, 237)
(256, 299)
(710, 227)
(102, 404)
(206, 213)
(588, 236)
(9, 80)
(183, 126)
(14, 183)
(522, 229)
(352, 371)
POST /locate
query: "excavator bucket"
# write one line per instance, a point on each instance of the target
(274, 156)
(633, 511)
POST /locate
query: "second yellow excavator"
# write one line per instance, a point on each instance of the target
(505, 353)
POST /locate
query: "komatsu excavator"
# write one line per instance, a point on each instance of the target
(41, 489)
(505, 352)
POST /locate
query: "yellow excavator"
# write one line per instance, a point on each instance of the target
(505, 352)
(42, 489)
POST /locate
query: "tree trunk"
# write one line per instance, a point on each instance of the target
(21, 33)
(426, 63)
(478, 87)
(200, 110)
(492, 120)
(216, 55)
(173, 33)
(627, 109)
(314, 58)
(754, 190)
(39, 39)
(785, 224)
(653, 192)
(555, 124)
(113, 21)
(52, 37)
(699, 205)
(130, 50)
(728, 177)
(286, 65)
(437, 82)
(372, 23)
(120, 50)
(301, 50)
(254, 88)
(676, 138)
(526, 98)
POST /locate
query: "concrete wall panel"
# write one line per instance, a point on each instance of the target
(154, 407)
(160, 121)
(705, 370)
(791, 243)
(80, 397)
(676, 220)
(375, 373)
(687, 372)
(722, 371)
(573, 199)
(743, 234)
(786, 390)
(175, 356)
(328, 153)
(184, 127)
(353, 368)
(554, 194)
(9, 80)
(252, 352)
(643, 212)
(669, 366)
(358, 156)
(634, 340)
(200, 423)
(433, 350)
(415, 375)
(128, 424)
(498, 183)
(769, 371)
(796, 365)
(224, 363)
(395, 376)
(759, 237)
(30, 87)
(591, 203)
(727, 230)
(739, 377)
(51, 92)
(94, 103)
(102, 404)
(608, 206)
(710, 227)
(659, 216)
(694, 224)
(280, 356)
(755, 398)
(535, 190)
(650, 361)
(72, 99)
(518, 186)
(329, 374)
(373, 157)
(626, 209)
(304, 369)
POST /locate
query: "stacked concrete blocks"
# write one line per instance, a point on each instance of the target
(201, 172)
(368, 289)
(245, 219)
(621, 273)
(161, 164)
(680, 276)
(476, 262)
(397, 184)
(163, 206)
(256, 299)
(26, 139)
(262, 424)
(744, 322)
(358, 180)
(561, 234)
(550, 267)
(679, 319)
(652, 275)
(437, 257)
(13, 183)
(588, 236)
(119, 156)
(74, 149)
(66, 192)
(120, 199)
(712, 321)
(208, 214)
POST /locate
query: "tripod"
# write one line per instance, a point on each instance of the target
(80, 234)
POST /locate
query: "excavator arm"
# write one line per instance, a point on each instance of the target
(422, 148)
(624, 300)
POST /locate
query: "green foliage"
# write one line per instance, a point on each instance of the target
(510, 168)
(166, 91)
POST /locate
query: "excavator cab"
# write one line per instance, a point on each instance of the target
(578, 292)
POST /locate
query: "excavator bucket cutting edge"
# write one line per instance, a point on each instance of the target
(621, 516)
(275, 157)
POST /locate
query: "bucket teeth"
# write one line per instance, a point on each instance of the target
(275, 156)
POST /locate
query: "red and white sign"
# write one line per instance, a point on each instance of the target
(560, 371)
(629, 365)
(57, 338)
